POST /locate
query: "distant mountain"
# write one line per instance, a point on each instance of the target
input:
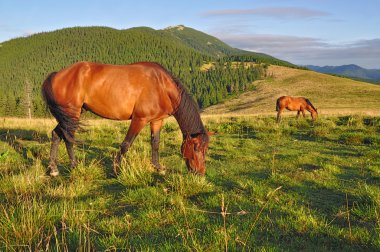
(201, 41)
(352, 71)
(214, 47)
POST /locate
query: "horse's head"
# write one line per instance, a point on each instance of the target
(194, 150)
(314, 114)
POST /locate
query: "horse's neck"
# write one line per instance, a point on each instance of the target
(310, 108)
(188, 117)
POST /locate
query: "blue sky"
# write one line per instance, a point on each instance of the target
(318, 32)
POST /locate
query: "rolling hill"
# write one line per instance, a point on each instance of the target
(331, 95)
(25, 62)
(214, 47)
(200, 41)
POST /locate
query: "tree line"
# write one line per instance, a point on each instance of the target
(25, 63)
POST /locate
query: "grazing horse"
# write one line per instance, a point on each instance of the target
(299, 104)
(143, 92)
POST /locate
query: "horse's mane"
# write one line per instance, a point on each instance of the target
(308, 102)
(187, 112)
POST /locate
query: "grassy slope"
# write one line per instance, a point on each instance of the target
(331, 95)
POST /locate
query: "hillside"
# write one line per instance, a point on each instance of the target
(352, 71)
(214, 47)
(201, 41)
(25, 62)
(330, 94)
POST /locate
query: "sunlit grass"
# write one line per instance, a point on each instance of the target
(323, 90)
(292, 186)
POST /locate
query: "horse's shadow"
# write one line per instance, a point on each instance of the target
(33, 144)
(18, 140)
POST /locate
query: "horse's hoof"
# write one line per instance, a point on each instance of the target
(73, 164)
(54, 173)
(161, 171)
(116, 170)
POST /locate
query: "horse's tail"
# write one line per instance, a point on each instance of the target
(308, 102)
(66, 123)
(278, 104)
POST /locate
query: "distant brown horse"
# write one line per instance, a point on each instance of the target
(299, 104)
(142, 92)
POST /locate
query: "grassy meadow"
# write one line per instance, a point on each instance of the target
(331, 95)
(268, 187)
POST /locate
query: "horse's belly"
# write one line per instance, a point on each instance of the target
(293, 107)
(106, 109)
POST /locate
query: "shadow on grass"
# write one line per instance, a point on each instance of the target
(29, 144)
(342, 151)
(331, 203)
(302, 240)
(356, 174)
(14, 138)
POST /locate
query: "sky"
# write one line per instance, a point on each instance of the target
(303, 32)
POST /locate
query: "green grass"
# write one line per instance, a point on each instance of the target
(268, 187)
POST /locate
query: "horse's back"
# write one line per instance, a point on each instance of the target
(116, 91)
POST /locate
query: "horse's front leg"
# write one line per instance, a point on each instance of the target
(134, 129)
(298, 113)
(155, 128)
(303, 113)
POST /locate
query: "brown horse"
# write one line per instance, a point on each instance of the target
(299, 104)
(142, 92)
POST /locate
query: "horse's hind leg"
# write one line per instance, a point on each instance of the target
(155, 128)
(56, 136)
(70, 152)
(279, 115)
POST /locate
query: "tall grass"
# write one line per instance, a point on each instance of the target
(292, 186)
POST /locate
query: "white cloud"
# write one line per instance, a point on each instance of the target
(9, 32)
(28, 33)
(274, 12)
(306, 50)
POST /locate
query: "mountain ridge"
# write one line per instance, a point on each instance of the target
(349, 70)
